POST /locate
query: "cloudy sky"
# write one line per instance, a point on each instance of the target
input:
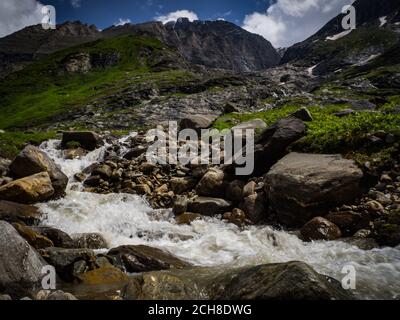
(283, 22)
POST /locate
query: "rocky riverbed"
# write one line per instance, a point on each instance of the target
(115, 226)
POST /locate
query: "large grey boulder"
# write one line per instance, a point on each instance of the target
(20, 265)
(32, 160)
(303, 186)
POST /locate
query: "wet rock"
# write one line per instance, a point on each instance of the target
(182, 185)
(86, 139)
(349, 222)
(303, 114)
(273, 142)
(142, 189)
(20, 265)
(143, 259)
(32, 189)
(196, 122)
(180, 205)
(102, 170)
(5, 297)
(188, 218)
(103, 276)
(35, 239)
(15, 212)
(237, 217)
(135, 152)
(76, 153)
(59, 238)
(249, 189)
(255, 207)
(284, 281)
(302, 186)
(387, 231)
(363, 244)
(93, 181)
(234, 191)
(92, 241)
(147, 167)
(320, 229)
(209, 206)
(63, 259)
(61, 296)
(212, 184)
(32, 160)
(4, 166)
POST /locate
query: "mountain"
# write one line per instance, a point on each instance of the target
(215, 44)
(32, 43)
(332, 48)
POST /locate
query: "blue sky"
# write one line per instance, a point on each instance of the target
(283, 22)
(104, 13)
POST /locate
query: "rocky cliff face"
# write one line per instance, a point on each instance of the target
(215, 44)
(332, 48)
(32, 43)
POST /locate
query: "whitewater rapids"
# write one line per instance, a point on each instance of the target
(127, 219)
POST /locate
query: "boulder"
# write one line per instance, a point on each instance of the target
(16, 212)
(92, 241)
(32, 160)
(320, 229)
(349, 222)
(303, 114)
(273, 142)
(234, 191)
(32, 189)
(188, 218)
(182, 185)
(102, 170)
(86, 139)
(20, 265)
(303, 186)
(212, 184)
(59, 238)
(64, 259)
(196, 122)
(35, 239)
(107, 275)
(255, 207)
(142, 259)
(135, 152)
(282, 281)
(180, 205)
(209, 206)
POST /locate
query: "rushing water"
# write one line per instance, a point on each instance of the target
(127, 219)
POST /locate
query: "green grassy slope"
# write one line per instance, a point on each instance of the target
(43, 90)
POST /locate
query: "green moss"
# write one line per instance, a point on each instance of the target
(73, 144)
(327, 133)
(11, 143)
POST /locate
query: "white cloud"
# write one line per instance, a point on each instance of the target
(289, 21)
(173, 16)
(15, 15)
(122, 22)
(76, 3)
